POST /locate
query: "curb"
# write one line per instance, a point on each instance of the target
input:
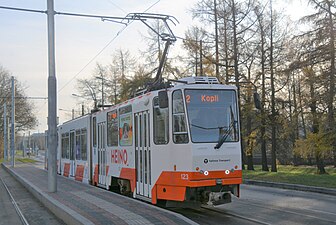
(61, 211)
(66, 214)
(298, 187)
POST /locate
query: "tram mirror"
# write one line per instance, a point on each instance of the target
(257, 102)
(163, 99)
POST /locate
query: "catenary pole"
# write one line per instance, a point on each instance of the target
(52, 100)
(8, 144)
(13, 124)
(5, 133)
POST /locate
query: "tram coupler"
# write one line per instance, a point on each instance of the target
(218, 198)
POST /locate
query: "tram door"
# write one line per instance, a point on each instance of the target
(142, 154)
(101, 154)
(72, 154)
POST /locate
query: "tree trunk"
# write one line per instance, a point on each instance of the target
(216, 41)
(315, 125)
(273, 122)
(263, 98)
(295, 120)
(249, 152)
(331, 118)
(236, 72)
(301, 111)
(250, 162)
(320, 164)
(226, 51)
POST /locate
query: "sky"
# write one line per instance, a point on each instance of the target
(79, 41)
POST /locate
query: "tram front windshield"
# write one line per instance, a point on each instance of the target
(212, 115)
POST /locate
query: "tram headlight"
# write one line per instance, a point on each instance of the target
(227, 172)
(206, 173)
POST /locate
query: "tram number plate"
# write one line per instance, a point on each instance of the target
(184, 176)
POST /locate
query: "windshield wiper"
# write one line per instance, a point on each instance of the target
(224, 137)
(227, 133)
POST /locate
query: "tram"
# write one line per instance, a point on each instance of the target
(178, 146)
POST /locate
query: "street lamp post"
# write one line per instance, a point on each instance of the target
(102, 83)
(93, 98)
(93, 95)
(72, 111)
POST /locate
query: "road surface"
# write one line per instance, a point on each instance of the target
(265, 205)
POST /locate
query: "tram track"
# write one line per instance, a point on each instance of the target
(17, 209)
(19, 206)
(236, 215)
(306, 213)
(210, 215)
(258, 212)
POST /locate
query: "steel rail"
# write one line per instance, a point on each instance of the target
(236, 215)
(17, 209)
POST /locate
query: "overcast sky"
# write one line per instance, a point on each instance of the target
(23, 42)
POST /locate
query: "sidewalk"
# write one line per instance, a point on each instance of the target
(298, 187)
(78, 203)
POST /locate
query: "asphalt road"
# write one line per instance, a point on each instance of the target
(265, 205)
(34, 212)
(257, 205)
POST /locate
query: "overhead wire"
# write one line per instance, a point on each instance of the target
(91, 60)
(111, 2)
(82, 15)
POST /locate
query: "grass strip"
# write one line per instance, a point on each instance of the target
(304, 175)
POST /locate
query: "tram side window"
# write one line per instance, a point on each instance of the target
(94, 131)
(112, 128)
(160, 122)
(83, 144)
(125, 126)
(180, 133)
(65, 146)
(78, 145)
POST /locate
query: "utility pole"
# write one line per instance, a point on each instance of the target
(5, 133)
(7, 136)
(23, 144)
(102, 91)
(13, 124)
(29, 140)
(52, 100)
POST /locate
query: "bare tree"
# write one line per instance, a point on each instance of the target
(24, 110)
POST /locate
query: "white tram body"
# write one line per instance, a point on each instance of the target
(73, 154)
(185, 153)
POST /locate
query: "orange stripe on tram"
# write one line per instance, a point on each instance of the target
(172, 185)
(79, 173)
(66, 171)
